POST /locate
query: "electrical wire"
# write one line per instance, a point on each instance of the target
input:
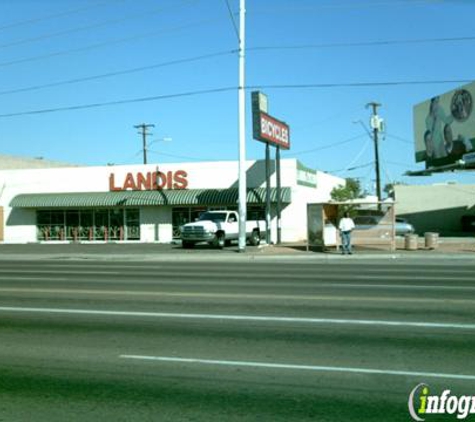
(328, 146)
(398, 138)
(183, 157)
(334, 5)
(107, 43)
(358, 84)
(120, 72)
(119, 102)
(223, 89)
(363, 44)
(371, 163)
(92, 26)
(231, 16)
(56, 15)
(360, 153)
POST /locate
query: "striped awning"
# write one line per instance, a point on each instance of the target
(145, 198)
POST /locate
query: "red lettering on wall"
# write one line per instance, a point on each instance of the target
(112, 186)
(151, 181)
(180, 179)
(144, 182)
(130, 182)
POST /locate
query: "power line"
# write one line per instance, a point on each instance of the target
(351, 168)
(183, 157)
(119, 72)
(398, 138)
(357, 84)
(56, 15)
(231, 16)
(92, 26)
(119, 102)
(334, 5)
(107, 43)
(328, 146)
(224, 89)
(363, 43)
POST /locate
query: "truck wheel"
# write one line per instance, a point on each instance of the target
(255, 238)
(219, 240)
(187, 244)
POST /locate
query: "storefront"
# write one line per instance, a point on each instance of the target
(147, 203)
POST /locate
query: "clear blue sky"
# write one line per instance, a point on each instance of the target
(55, 54)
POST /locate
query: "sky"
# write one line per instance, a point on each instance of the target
(76, 76)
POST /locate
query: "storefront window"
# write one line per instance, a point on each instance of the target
(116, 225)
(43, 225)
(72, 225)
(132, 223)
(102, 224)
(57, 225)
(86, 228)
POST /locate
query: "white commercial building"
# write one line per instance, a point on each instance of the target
(148, 203)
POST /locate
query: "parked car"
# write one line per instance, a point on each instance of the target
(403, 227)
(219, 228)
(367, 222)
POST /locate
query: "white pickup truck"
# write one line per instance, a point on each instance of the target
(218, 228)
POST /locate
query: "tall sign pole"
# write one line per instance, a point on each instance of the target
(242, 130)
(276, 133)
(268, 219)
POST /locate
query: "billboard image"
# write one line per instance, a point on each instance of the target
(444, 127)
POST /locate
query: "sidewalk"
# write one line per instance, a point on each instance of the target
(448, 249)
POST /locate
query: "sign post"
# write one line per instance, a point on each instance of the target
(273, 132)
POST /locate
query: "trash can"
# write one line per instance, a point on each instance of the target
(431, 240)
(411, 242)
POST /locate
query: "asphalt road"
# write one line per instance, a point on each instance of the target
(231, 340)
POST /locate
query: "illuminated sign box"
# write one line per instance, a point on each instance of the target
(271, 130)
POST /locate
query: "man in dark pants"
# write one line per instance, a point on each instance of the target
(346, 226)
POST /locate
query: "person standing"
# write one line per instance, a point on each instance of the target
(346, 226)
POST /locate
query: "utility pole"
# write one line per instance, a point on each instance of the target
(376, 122)
(242, 201)
(144, 132)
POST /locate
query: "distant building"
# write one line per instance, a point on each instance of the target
(10, 162)
(442, 208)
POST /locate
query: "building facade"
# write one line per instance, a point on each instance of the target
(148, 203)
(447, 208)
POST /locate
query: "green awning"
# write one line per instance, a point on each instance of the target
(145, 198)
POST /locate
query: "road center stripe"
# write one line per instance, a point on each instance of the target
(366, 371)
(254, 318)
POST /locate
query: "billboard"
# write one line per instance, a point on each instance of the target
(444, 127)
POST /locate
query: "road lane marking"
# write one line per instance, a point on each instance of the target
(255, 318)
(227, 283)
(279, 276)
(365, 371)
(251, 296)
(49, 272)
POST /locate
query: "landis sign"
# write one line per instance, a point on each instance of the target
(150, 181)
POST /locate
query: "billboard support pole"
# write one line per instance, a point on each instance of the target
(268, 219)
(242, 201)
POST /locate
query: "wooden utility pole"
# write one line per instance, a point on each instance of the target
(144, 132)
(376, 126)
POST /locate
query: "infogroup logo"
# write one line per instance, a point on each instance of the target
(421, 404)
